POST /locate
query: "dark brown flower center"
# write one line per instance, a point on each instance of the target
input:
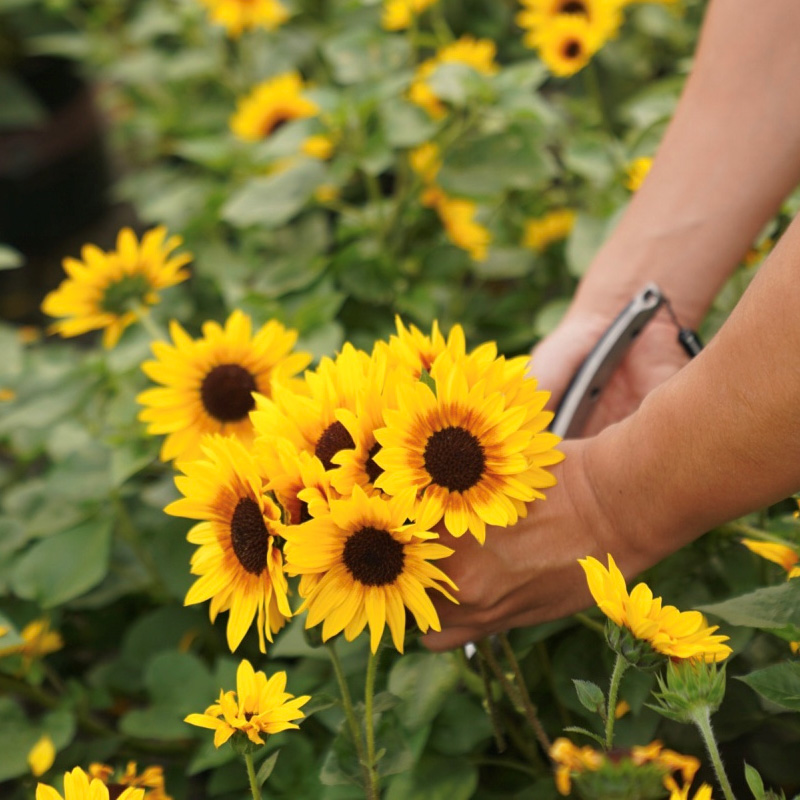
(305, 515)
(275, 124)
(226, 392)
(115, 790)
(572, 49)
(454, 459)
(249, 536)
(334, 438)
(373, 557)
(372, 469)
(574, 7)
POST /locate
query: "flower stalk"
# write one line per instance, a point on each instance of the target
(620, 665)
(369, 722)
(255, 789)
(350, 714)
(701, 717)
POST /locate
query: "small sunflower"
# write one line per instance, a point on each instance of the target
(554, 226)
(238, 16)
(399, 14)
(207, 384)
(79, 786)
(603, 17)
(479, 54)
(151, 779)
(458, 218)
(41, 756)
(37, 641)
(318, 146)
(271, 104)
(702, 793)
(673, 633)
(106, 291)
(308, 419)
(781, 554)
(636, 172)
(567, 44)
(463, 448)
(238, 561)
(371, 565)
(641, 771)
(260, 705)
(426, 161)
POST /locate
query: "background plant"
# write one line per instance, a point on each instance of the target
(334, 247)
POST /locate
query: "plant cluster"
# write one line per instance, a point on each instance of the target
(380, 205)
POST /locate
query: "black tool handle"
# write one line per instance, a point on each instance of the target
(605, 357)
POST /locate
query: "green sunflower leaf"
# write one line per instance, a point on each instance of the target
(65, 565)
(778, 683)
(591, 696)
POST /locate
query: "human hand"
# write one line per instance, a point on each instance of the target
(529, 573)
(653, 358)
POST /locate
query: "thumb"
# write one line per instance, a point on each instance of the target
(558, 356)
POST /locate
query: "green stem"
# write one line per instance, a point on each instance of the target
(251, 774)
(149, 324)
(349, 712)
(547, 670)
(590, 623)
(594, 89)
(491, 706)
(620, 665)
(702, 718)
(369, 722)
(531, 713)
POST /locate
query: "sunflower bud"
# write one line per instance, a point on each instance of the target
(621, 779)
(689, 685)
(637, 652)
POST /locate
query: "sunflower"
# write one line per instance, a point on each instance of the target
(479, 54)
(318, 146)
(554, 226)
(107, 291)
(37, 641)
(426, 161)
(291, 473)
(308, 419)
(238, 560)
(675, 634)
(636, 172)
(263, 706)
(567, 44)
(463, 448)
(238, 16)
(41, 756)
(601, 16)
(781, 554)
(271, 104)
(78, 786)
(371, 565)
(458, 218)
(650, 769)
(207, 384)
(399, 14)
(151, 779)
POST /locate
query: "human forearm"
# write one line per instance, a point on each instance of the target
(730, 155)
(719, 439)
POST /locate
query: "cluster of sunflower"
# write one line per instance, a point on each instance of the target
(567, 33)
(340, 476)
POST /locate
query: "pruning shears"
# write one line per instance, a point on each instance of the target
(588, 382)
